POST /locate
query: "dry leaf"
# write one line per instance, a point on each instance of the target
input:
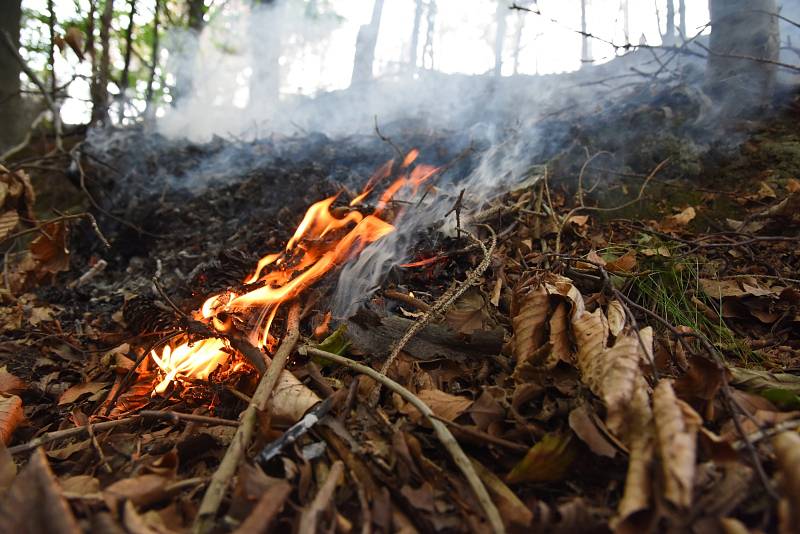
(547, 461)
(8, 221)
(616, 317)
(11, 416)
(34, 504)
(560, 347)
(10, 384)
(679, 220)
(74, 38)
(468, 313)
(50, 250)
(8, 470)
(529, 314)
(676, 427)
(585, 428)
(80, 485)
(623, 264)
(513, 511)
(75, 392)
(638, 490)
(443, 404)
(143, 490)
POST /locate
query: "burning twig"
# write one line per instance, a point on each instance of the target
(441, 305)
(227, 467)
(441, 430)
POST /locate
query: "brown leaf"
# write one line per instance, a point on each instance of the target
(469, 313)
(68, 450)
(76, 391)
(529, 315)
(718, 289)
(8, 222)
(34, 504)
(8, 470)
(80, 485)
(10, 384)
(266, 510)
(679, 220)
(11, 416)
(547, 461)
(583, 424)
(676, 428)
(50, 250)
(638, 487)
(486, 410)
(616, 317)
(623, 264)
(443, 404)
(74, 38)
(143, 490)
(561, 349)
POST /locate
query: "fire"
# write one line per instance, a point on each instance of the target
(324, 239)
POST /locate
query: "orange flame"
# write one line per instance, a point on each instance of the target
(321, 242)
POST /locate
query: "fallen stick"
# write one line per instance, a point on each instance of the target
(204, 521)
(442, 432)
(176, 417)
(322, 500)
(69, 432)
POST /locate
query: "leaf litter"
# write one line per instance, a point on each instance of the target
(607, 406)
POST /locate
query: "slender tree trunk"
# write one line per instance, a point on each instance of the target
(123, 79)
(586, 44)
(148, 94)
(184, 77)
(100, 94)
(626, 21)
(682, 23)
(197, 10)
(412, 53)
(518, 39)
(265, 82)
(365, 47)
(742, 29)
(427, 50)
(499, 37)
(669, 31)
(10, 100)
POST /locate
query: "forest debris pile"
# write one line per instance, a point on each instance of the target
(599, 374)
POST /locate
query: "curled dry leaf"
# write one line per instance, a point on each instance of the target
(143, 490)
(10, 384)
(291, 398)
(787, 451)
(469, 313)
(11, 416)
(513, 511)
(638, 479)
(616, 317)
(78, 390)
(582, 422)
(8, 221)
(443, 404)
(676, 427)
(529, 311)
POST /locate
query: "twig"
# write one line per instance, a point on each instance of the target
(70, 432)
(175, 417)
(441, 430)
(442, 303)
(406, 299)
(40, 227)
(204, 521)
(483, 437)
(749, 58)
(22, 144)
(387, 140)
(322, 500)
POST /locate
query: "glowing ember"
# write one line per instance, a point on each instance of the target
(323, 240)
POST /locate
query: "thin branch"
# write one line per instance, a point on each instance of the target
(70, 432)
(442, 432)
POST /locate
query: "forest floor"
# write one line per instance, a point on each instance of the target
(616, 346)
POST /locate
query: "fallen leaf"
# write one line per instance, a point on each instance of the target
(718, 289)
(80, 485)
(616, 317)
(76, 391)
(8, 470)
(530, 307)
(676, 429)
(585, 428)
(8, 222)
(34, 504)
(578, 220)
(547, 461)
(443, 404)
(11, 415)
(10, 384)
(469, 313)
(624, 264)
(142, 491)
(679, 220)
(512, 510)
(757, 381)
(50, 248)
(68, 450)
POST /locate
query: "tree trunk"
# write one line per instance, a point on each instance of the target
(148, 94)
(626, 20)
(123, 79)
(682, 23)
(742, 29)
(427, 50)
(586, 44)
(365, 47)
(412, 53)
(197, 10)
(669, 31)
(10, 99)
(499, 37)
(518, 39)
(100, 92)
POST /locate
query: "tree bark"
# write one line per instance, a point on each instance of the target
(365, 47)
(100, 92)
(682, 23)
(742, 33)
(10, 99)
(123, 79)
(148, 94)
(499, 37)
(197, 10)
(427, 50)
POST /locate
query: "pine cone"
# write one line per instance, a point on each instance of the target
(145, 314)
